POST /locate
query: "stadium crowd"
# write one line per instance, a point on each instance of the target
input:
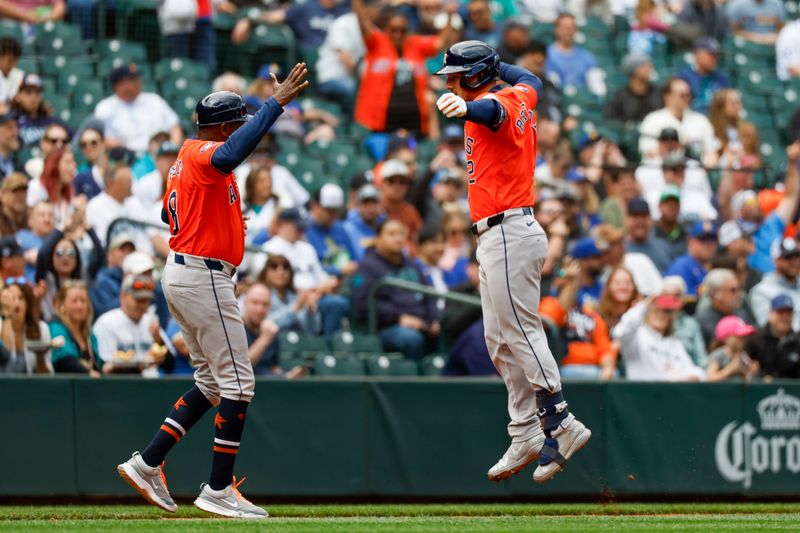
(673, 252)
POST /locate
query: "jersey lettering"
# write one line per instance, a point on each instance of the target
(232, 194)
(525, 116)
(172, 204)
(468, 145)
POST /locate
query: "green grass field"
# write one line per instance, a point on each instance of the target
(550, 518)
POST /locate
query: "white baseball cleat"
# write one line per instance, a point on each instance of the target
(148, 481)
(517, 456)
(228, 502)
(565, 442)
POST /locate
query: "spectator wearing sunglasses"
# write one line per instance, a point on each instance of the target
(128, 338)
(60, 259)
(14, 209)
(34, 115)
(55, 137)
(288, 309)
(89, 181)
(72, 324)
(24, 335)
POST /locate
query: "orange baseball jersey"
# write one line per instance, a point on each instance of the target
(203, 207)
(500, 164)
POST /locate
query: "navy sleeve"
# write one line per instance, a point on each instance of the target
(244, 140)
(513, 75)
(487, 112)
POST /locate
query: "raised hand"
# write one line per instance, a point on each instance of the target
(293, 85)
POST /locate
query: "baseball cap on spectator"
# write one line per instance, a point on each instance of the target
(9, 247)
(293, 216)
(575, 176)
(785, 248)
(368, 192)
(707, 43)
(167, 148)
(453, 133)
(782, 302)
(15, 181)
(124, 72)
(120, 154)
(732, 325)
(359, 180)
(267, 68)
(669, 302)
(452, 175)
(8, 116)
(631, 62)
(674, 160)
(704, 230)
(586, 248)
(120, 240)
(138, 286)
(566, 194)
(330, 196)
(638, 206)
(31, 80)
(742, 198)
(394, 167)
(669, 134)
(605, 235)
(137, 263)
(588, 139)
(670, 192)
(730, 232)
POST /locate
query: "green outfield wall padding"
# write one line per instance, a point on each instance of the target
(406, 437)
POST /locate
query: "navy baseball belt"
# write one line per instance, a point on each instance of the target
(202, 262)
(495, 220)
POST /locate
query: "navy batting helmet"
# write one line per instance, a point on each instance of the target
(221, 107)
(478, 62)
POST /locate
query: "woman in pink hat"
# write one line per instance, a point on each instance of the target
(730, 360)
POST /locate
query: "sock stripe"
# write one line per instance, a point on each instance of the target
(175, 425)
(171, 431)
(231, 451)
(226, 442)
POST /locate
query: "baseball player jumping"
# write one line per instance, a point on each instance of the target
(500, 144)
(203, 210)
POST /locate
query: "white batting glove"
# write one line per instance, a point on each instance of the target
(451, 106)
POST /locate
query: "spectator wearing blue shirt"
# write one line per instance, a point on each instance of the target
(362, 221)
(756, 20)
(327, 234)
(704, 78)
(90, 182)
(41, 223)
(590, 257)
(694, 266)
(784, 281)
(744, 207)
(480, 26)
(571, 65)
(639, 226)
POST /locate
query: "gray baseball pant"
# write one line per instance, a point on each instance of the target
(511, 255)
(203, 302)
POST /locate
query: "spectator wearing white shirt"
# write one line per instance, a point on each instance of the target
(787, 51)
(150, 188)
(131, 116)
(116, 202)
(127, 336)
(284, 185)
(10, 75)
(260, 204)
(694, 129)
(309, 276)
(649, 346)
(339, 56)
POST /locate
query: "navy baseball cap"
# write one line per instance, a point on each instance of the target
(638, 206)
(124, 72)
(295, 216)
(781, 302)
(9, 247)
(704, 230)
(588, 139)
(452, 133)
(708, 43)
(586, 249)
(575, 176)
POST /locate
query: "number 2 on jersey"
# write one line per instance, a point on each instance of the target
(172, 207)
(470, 163)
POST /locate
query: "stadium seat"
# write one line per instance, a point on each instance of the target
(385, 366)
(130, 50)
(9, 28)
(310, 173)
(328, 365)
(350, 342)
(299, 343)
(174, 68)
(87, 94)
(28, 64)
(56, 64)
(432, 365)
